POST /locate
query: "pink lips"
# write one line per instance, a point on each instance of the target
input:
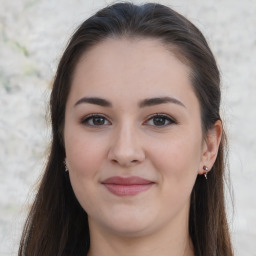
(127, 186)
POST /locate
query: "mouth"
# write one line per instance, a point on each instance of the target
(127, 186)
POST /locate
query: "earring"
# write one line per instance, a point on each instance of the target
(66, 167)
(206, 170)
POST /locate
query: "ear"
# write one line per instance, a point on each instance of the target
(210, 147)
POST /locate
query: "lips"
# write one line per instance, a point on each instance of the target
(127, 186)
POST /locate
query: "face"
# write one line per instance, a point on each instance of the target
(133, 137)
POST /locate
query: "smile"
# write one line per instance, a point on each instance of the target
(127, 186)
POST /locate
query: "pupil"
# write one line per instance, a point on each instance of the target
(98, 121)
(159, 121)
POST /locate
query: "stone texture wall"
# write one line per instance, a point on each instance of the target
(33, 34)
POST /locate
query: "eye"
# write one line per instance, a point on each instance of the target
(160, 120)
(95, 120)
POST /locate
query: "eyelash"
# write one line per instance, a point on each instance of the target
(87, 119)
(163, 116)
(92, 117)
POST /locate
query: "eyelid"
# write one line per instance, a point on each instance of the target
(168, 117)
(163, 115)
(88, 117)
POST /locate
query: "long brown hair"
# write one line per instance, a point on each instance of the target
(57, 224)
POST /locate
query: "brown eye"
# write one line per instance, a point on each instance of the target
(98, 120)
(160, 120)
(95, 120)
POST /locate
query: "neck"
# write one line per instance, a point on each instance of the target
(163, 242)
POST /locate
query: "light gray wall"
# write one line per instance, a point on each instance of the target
(33, 34)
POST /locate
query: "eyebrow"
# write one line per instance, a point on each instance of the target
(144, 103)
(159, 100)
(95, 101)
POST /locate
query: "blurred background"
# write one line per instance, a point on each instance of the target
(33, 35)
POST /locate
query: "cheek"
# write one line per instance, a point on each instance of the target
(85, 157)
(176, 161)
(84, 152)
(178, 157)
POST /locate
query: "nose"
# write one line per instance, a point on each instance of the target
(126, 149)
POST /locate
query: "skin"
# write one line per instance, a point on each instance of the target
(126, 140)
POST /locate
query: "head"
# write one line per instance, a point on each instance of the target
(144, 33)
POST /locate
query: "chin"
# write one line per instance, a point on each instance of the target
(131, 231)
(129, 225)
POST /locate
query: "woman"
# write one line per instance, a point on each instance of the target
(137, 157)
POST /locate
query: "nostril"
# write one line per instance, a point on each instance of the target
(124, 162)
(125, 155)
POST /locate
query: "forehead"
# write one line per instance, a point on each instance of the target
(138, 67)
(132, 51)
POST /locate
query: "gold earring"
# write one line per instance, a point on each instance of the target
(206, 170)
(66, 167)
